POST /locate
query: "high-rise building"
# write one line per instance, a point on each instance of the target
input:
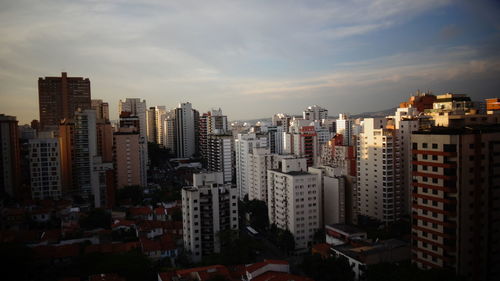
(138, 108)
(333, 206)
(186, 121)
(169, 130)
(275, 139)
(303, 142)
(381, 193)
(10, 162)
(160, 116)
(60, 97)
(209, 207)
(220, 156)
(315, 113)
(84, 174)
(126, 152)
(45, 168)
(420, 101)
(244, 145)
(294, 199)
(259, 161)
(455, 200)
(211, 123)
(151, 124)
(342, 159)
(343, 126)
(101, 108)
(282, 119)
(493, 105)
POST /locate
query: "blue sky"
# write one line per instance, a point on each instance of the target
(251, 58)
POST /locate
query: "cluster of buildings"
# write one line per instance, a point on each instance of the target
(436, 161)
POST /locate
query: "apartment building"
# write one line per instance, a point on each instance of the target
(220, 156)
(244, 146)
(380, 190)
(456, 200)
(45, 168)
(60, 97)
(209, 207)
(294, 200)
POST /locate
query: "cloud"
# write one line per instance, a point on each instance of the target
(214, 53)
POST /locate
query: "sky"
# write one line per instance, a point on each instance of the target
(250, 58)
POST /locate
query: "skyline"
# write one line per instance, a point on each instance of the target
(346, 57)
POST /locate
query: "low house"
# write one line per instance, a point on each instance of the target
(141, 213)
(339, 234)
(159, 248)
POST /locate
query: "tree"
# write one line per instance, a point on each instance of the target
(286, 241)
(132, 193)
(259, 217)
(319, 236)
(97, 218)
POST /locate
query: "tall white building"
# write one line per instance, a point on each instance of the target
(45, 168)
(208, 208)
(169, 131)
(315, 113)
(160, 116)
(259, 161)
(294, 200)
(380, 189)
(244, 145)
(151, 124)
(344, 127)
(406, 121)
(333, 190)
(138, 108)
(185, 130)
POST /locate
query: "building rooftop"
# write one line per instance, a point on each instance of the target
(360, 253)
(469, 129)
(291, 173)
(348, 229)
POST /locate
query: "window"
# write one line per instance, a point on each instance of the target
(434, 157)
(434, 146)
(424, 145)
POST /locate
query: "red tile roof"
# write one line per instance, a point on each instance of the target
(253, 267)
(160, 211)
(127, 223)
(112, 248)
(163, 244)
(138, 211)
(206, 272)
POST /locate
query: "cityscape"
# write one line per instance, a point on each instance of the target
(270, 179)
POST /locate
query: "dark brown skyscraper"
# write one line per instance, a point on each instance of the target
(60, 97)
(10, 162)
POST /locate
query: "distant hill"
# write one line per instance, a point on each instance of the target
(373, 114)
(381, 113)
